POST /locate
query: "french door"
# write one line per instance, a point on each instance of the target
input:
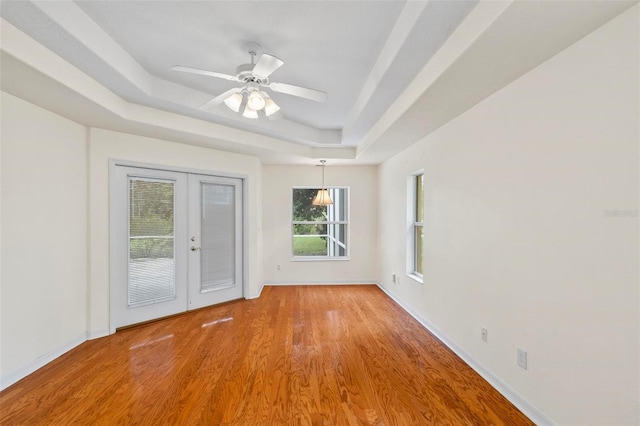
(176, 243)
(215, 229)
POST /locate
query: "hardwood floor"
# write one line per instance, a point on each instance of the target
(306, 355)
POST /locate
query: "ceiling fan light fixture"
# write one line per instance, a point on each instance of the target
(249, 100)
(270, 107)
(250, 113)
(256, 100)
(234, 101)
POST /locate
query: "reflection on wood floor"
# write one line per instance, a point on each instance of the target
(308, 355)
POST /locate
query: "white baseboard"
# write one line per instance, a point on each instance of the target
(515, 398)
(286, 283)
(40, 362)
(97, 334)
(257, 295)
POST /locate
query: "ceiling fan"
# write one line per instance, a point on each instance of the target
(250, 99)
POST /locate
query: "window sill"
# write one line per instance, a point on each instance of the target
(415, 278)
(317, 259)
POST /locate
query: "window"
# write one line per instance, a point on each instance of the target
(319, 232)
(416, 219)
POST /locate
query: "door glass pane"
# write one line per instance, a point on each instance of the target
(151, 269)
(217, 230)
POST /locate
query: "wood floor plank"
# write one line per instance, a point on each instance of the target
(298, 355)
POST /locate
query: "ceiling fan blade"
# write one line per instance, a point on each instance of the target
(204, 72)
(266, 65)
(303, 92)
(220, 98)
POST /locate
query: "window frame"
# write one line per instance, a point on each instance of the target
(412, 226)
(346, 224)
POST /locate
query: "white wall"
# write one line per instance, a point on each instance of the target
(55, 239)
(277, 182)
(519, 234)
(106, 145)
(44, 238)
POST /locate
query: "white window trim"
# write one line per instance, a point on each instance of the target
(344, 222)
(411, 208)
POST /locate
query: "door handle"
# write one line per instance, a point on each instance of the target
(193, 248)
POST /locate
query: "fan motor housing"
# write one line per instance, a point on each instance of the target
(245, 74)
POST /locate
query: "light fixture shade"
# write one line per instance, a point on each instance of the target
(256, 100)
(234, 101)
(322, 198)
(270, 107)
(249, 113)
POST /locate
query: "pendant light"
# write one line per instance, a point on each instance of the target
(322, 198)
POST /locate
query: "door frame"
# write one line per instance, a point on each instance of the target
(113, 163)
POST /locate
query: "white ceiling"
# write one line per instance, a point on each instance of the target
(393, 70)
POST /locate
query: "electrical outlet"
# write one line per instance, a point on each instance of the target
(483, 333)
(522, 358)
(278, 267)
(393, 278)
